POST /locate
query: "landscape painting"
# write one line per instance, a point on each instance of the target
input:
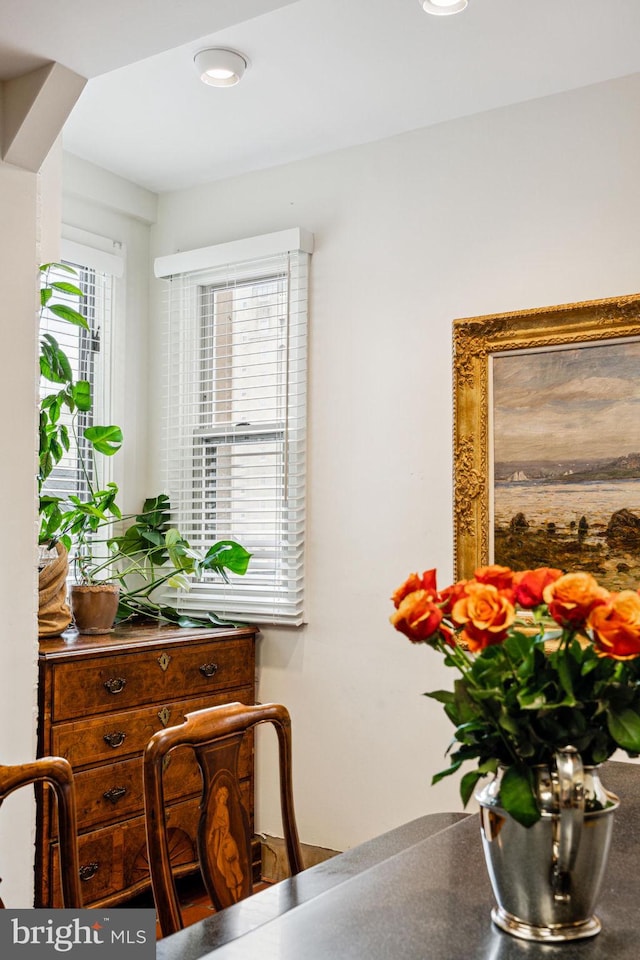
(565, 435)
(546, 439)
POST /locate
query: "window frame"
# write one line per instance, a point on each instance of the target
(249, 598)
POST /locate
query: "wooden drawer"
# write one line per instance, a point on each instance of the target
(100, 866)
(120, 734)
(114, 859)
(113, 792)
(107, 683)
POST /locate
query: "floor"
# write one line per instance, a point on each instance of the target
(194, 901)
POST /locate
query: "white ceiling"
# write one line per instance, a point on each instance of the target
(324, 74)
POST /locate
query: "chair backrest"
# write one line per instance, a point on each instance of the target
(224, 836)
(57, 772)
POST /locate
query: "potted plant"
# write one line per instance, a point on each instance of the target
(60, 407)
(136, 564)
(117, 575)
(151, 553)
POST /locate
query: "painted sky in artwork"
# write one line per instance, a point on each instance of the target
(568, 404)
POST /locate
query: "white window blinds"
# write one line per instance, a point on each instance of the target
(235, 424)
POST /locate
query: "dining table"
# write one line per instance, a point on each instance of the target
(420, 891)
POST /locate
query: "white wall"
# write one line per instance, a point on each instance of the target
(29, 235)
(521, 207)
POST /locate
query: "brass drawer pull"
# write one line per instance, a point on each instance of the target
(115, 739)
(114, 794)
(115, 684)
(208, 669)
(89, 870)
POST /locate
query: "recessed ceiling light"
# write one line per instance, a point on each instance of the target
(443, 8)
(220, 67)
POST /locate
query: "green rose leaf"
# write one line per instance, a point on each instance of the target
(517, 797)
(468, 784)
(442, 696)
(469, 781)
(446, 773)
(624, 727)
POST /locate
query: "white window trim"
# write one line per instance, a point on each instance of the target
(234, 252)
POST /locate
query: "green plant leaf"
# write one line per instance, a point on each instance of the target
(518, 645)
(66, 287)
(58, 266)
(468, 784)
(68, 313)
(437, 777)
(531, 699)
(54, 363)
(190, 621)
(624, 727)
(151, 536)
(223, 622)
(442, 696)
(81, 392)
(229, 554)
(173, 537)
(517, 796)
(179, 581)
(106, 440)
(181, 555)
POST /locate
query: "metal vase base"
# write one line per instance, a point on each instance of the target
(557, 933)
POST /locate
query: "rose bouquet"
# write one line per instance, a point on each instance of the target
(544, 660)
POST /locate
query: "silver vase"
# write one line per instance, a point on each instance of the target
(546, 878)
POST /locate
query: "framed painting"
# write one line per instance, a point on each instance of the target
(547, 440)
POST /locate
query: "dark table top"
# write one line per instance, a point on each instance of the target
(420, 892)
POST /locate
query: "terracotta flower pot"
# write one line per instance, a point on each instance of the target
(94, 606)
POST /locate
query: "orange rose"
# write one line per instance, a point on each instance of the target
(450, 595)
(417, 616)
(414, 582)
(497, 576)
(530, 585)
(572, 597)
(486, 615)
(616, 625)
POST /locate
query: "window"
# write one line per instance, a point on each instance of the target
(236, 422)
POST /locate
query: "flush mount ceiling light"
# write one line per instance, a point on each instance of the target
(220, 67)
(443, 8)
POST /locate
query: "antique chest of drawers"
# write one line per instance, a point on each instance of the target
(100, 699)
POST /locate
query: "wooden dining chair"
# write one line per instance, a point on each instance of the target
(57, 772)
(224, 835)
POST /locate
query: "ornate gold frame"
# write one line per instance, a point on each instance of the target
(475, 339)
